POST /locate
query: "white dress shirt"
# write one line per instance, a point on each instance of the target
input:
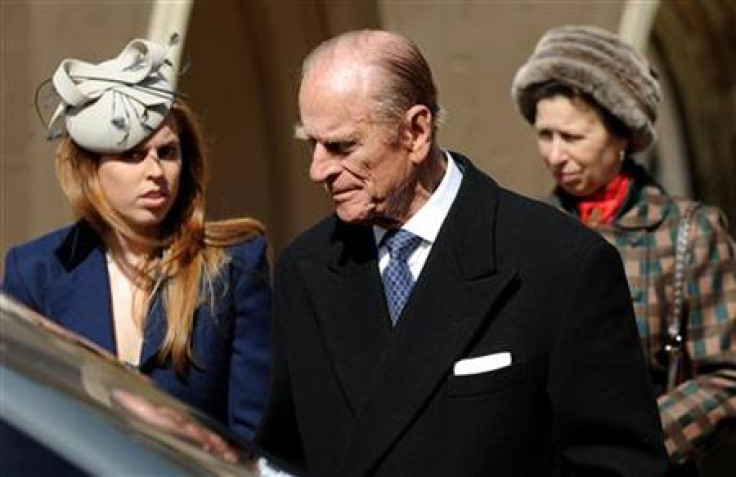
(426, 223)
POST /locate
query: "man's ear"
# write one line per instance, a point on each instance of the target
(416, 131)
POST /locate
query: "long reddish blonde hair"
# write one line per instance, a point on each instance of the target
(187, 254)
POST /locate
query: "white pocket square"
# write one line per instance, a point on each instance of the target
(482, 364)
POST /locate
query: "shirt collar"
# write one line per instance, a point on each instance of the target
(426, 223)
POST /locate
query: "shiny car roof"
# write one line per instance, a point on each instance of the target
(82, 404)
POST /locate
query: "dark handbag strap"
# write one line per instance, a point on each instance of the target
(675, 329)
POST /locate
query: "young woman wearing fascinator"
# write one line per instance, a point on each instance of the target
(142, 273)
(593, 102)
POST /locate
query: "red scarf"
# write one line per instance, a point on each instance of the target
(600, 207)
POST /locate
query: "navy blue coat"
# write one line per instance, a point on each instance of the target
(63, 276)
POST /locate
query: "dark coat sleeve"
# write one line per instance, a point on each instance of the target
(604, 418)
(249, 362)
(279, 434)
(28, 269)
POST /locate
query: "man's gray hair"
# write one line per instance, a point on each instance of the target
(406, 79)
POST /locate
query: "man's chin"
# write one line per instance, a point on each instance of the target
(362, 216)
(352, 217)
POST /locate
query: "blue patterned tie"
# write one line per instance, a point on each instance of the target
(397, 278)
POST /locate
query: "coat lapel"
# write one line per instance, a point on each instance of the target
(80, 300)
(450, 304)
(154, 333)
(347, 295)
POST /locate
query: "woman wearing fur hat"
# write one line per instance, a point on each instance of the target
(141, 273)
(593, 101)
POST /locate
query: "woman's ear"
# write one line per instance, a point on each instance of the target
(623, 147)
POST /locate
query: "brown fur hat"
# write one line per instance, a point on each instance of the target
(599, 64)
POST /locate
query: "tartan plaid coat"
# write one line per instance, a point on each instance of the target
(645, 233)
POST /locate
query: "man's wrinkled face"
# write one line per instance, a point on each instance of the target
(355, 156)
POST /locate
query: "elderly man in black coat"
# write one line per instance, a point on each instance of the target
(438, 324)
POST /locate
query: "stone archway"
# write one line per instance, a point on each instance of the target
(668, 159)
(243, 78)
(695, 43)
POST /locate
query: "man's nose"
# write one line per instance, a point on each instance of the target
(323, 165)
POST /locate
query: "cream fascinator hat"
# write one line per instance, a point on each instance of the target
(112, 106)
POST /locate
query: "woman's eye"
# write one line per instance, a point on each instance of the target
(168, 152)
(133, 156)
